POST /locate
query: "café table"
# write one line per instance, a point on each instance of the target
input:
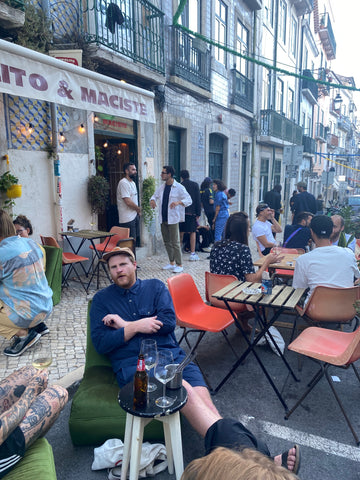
(267, 309)
(90, 236)
(288, 262)
(137, 419)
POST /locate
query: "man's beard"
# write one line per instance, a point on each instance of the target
(132, 176)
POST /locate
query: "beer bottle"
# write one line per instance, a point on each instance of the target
(140, 383)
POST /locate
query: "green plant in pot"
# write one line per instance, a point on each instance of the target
(98, 193)
(9, 185)
(148, 189)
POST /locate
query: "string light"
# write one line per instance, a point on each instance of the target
(30, 128)
(61, 137)
(81, 128)
(119, 152)
(105, 144)
(96, 118)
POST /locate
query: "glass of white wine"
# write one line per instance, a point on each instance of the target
(149, 350)
(41, 354)
(164, 372)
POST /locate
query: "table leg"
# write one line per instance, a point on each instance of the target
(172, 425)
(136, 446)
(127, 443)
(168, 445)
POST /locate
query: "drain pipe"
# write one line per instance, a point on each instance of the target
(57, 188)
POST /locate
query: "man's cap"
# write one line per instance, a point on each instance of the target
(119, 251)
(207, 179)
(261, 207)
(301, 184)
(322, 226)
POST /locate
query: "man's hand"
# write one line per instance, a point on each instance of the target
(152, 203)
(149, 325)
(114, 321)
(138, 210)
(175, 204)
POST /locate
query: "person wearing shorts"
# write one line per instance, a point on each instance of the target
(192, 213)
(28, 408)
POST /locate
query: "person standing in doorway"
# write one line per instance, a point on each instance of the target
(192, 213)
(172, 199)
(207, 201)
(127, 201)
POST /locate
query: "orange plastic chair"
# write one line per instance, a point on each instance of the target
(109, 244)
(286, 274)
(329, 348)
(213, 283)
(192, 313)
(68, 259)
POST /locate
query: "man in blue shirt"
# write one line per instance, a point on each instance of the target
(128, 311)
(298, 235)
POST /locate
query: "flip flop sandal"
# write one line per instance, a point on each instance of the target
(284, 458)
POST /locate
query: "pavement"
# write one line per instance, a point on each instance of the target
(328, 448)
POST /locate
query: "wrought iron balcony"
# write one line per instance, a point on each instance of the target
(242, 93)
(134, 29)
(332, 140)
(309, 87)
(321, 132)
(344, 123)
(327, 36)
(303, 6)
(275, 125)
(309, 144)
(191, 58)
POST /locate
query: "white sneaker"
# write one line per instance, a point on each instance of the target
(206, 249)
(194, 257)
(168, 267)
(178, 269)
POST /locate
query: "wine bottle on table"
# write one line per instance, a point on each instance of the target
(140, 384)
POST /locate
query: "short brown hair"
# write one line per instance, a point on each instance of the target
(247, 464)
(7, 228)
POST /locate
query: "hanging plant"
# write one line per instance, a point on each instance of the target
(9, 185)
(98, 193)
(148, 189)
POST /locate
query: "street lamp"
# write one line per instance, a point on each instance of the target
(338, 101)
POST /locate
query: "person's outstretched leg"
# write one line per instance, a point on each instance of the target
(43, 412)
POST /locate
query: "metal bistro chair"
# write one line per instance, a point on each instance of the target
(328, 348)
(193, 315)
(110, 243)
(68, 259)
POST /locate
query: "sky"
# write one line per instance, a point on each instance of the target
(346, 28)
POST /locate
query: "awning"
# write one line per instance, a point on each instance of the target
(27, 73)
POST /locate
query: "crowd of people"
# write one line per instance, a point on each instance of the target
(130, 309)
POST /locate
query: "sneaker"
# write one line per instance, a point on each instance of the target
(206, 249)
(194, 257)
(168, 267)
(21, 344)
(178, 269)
(41, 328)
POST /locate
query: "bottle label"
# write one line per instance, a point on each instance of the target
(140, 365)
(266, 287)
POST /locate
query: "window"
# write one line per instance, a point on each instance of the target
(190, 16)
(279, 95)
(216, 155)
(291, 104)
(306, 58)
(220, 29)
(282, 21)
(242, 46)
(264, 178)
(266, 91)
(269, 12)
(277, 172)
(293, 36)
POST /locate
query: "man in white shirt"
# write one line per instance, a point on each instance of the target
(127, 200)
(338, 227)
(264, 227)
(172, 198)
(327, 264)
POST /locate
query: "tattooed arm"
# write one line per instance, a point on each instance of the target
(12, 417)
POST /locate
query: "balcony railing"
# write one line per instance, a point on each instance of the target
(275, 125)
(242, 91)
(332, 140)
(191, 58)
(320, 132)
(309, 144)
(132, 28)
(309, 87)
(344, 123)
(327, 36)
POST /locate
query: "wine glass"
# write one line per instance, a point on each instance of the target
(164, 372)
(41, 354)
(149, 350)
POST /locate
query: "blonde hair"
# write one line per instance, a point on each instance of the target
(245, 465)
(7, 228)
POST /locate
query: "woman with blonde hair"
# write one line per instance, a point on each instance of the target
(223, 463)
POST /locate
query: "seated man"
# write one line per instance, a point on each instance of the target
(28, 408)
(25, 296)
(298, 235)
(128, 311)
(264, 227)
(327, 264)
(339, 225)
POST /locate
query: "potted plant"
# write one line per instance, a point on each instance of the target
(9, 185)
(148, 189)
(98, 193)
